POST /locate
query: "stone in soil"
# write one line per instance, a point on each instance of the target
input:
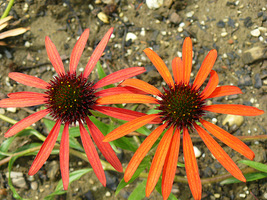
(112, 181)
(254, 54)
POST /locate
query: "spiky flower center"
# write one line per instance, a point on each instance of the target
(70, 98)
(181, 105)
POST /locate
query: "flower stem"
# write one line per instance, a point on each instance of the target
(8, 8)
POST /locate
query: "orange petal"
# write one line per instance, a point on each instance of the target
(224, 91)
(64, 156)
(187, 54)
(124, 114)
(178, 70)
(54, 56)
(191, 166)
(205, 69)
(78, 50)
(234, 109)
(92, 155)
(129, 127)
(142, 151)
(26, 95)
(21, 102)
(228, 139)
(170, 165)
(141, 85)
(45, 150)
(211, 86)
(220, 154)
(28, 80)
(97, 53)
(119, 76)
(118, 90)
(104, 147)
(126, 98)
(160, 65)
(24, 123)
(158, 161)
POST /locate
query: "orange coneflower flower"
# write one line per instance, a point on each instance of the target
(69, 98)
(180, 106)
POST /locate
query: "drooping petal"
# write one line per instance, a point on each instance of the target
(158, 161)
(228, 139)
(54, 56)
(205, 69)
(141, 85)
(187, 55)
(170, 165)
(129, 127)
(45, 150)
(92, 155)
(28, 80)
(211, 86)
(224, 91)
(191, 166)
(21, 102)
(97, 53)
(27, 95)
(64, 156)
(142, 151)
(234, 109)
(123, 114)
(104, 147)
(78, 50)
(178, 70)
(160, 65)
(119, 76)
(220, 154)
(24, 123)
(126, 98)
(118, 90)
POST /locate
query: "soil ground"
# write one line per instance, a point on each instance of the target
(237, 29)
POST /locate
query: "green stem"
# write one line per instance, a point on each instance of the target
(8, 8)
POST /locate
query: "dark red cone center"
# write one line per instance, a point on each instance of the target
(70, 98)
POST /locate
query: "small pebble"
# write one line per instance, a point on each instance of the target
(27, 44)
(217, 196)
(2, 111)
(255, 33)
(34, 185)
(131, 36)
(13, 110)
(265, 195)
(197, 152)
(108, 194)
(154, 4)
(242, 195)
(190, 14)
(224, 34)
(103, 17)
(19, 182)
(220, 24)
(233, 119)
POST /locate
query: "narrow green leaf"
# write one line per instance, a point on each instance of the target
(5, 146)
(249, 177)
(143, 165)
(76, 175)
(12, 188)
(139, 192)
(256, 165)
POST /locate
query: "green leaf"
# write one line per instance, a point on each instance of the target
(5, 146)
(12, 188)
(180, 165)
(145, 162)
(139, 192)
(76, 175)
(249, 177)
(101, 74)
(256, 165)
